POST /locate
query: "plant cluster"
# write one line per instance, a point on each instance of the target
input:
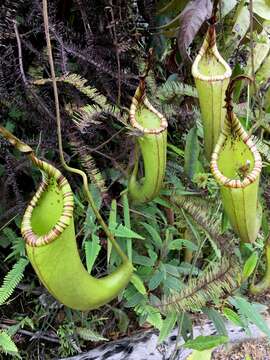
(191, 217)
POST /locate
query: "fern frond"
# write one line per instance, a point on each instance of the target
(89, 335)
(80, 84)
(7, 346)
(217, 281)
(262, 147)
(88, 163)
(171, 91)
(12, 279)
(201, 216)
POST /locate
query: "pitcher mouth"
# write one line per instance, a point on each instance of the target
(250, 177)
(31, 238)
(163, 122)
(195, 67)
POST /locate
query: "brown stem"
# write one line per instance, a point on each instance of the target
(149, 65)
(229, 93)
(214, 11)
(20, 52)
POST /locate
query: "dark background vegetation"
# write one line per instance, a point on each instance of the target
(106, 44)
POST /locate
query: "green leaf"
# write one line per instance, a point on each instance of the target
(187, 328)
(167, 326)
(250, 265)
(123, 231)
(138, 283)
(89, 335)
(233, 317)
(173, 283)
(192, 151)
(201, 343)
(248, 310)
(260, 52)
(227, 6)
(217, 320)
(242, 21)
(175, 149)
(155, 280)
(262, 8)
(92, 249)
(134, 299)
(7, 345)
(12, 279)
(154, 234)
(154, 317)
(142, 260)
(178, 244)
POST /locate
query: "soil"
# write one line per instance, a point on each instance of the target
(247, 350)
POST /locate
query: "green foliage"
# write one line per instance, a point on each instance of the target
(12, 279)
(167, 326)
(89, 335)
(215, 282)
(7, 346)
(250, 265)
(217, 319)
(65, 334)
(249, 312)
(192, 151)
(172, 91)
(202, 343)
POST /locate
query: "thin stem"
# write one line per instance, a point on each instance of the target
(60, 144)
(252, 44)
(19, 52)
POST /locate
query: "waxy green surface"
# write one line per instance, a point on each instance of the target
(153, 150)
(58, 264)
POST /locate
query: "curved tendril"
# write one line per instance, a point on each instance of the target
(236, 165)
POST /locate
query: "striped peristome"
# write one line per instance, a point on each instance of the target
(49, 172)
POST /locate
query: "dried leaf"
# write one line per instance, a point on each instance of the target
(191, 19)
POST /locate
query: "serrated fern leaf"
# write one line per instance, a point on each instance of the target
(80, 84)
(171, 91)
(262, 147)
(88, 163)
(215, 282)
(201, 216)
(12, 279)
(89, 335)
(7, 346)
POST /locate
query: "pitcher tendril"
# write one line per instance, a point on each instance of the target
(236, 165)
